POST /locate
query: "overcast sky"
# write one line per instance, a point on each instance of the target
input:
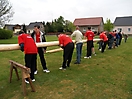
(27, 11)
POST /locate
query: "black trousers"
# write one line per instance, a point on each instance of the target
(30, 62)
(120, 41)
(89, 47)
(104, 45)
(42, 59)
(67, 54)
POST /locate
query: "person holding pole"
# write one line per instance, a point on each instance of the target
(29, 47)
(104, 39)
(89, 35)
(79, 43)
(38, 36)
(67, 44)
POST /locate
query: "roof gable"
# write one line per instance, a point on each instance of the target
(31, 25)
(123, 21)
(12, 27)
(88, 21)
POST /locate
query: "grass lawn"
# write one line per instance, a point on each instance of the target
(105, 76)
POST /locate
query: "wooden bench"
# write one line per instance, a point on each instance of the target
(25, 74)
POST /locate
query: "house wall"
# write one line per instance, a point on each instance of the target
(83, 29)
(16, 30)
(101, 27)
(31, 29)
(125, 29)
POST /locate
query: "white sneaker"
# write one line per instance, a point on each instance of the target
(86, 57)
(46, 70)
(33, 80)
(61, 68)
(89, 57)
(35, 72)
(26, 81)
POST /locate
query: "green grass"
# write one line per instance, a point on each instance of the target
(105, 76)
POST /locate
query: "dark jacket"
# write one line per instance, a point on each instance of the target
(110, 37)
(42, 37)
(120, 35)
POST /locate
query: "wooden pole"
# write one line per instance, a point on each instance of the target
(10, 47)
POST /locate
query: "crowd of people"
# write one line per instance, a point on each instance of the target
(113, 39)
(27, 44)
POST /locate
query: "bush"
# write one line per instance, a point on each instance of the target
(5, 34)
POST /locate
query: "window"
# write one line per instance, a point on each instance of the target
(129, 29)
(28, 31)
(84, 29)
(119, 29)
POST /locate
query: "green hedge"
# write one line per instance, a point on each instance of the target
(5, 34)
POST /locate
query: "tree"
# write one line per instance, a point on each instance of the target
(60, 24)
(6, 12)
(108, 26)
(69, 26)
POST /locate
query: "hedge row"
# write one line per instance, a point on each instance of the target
(5, 34)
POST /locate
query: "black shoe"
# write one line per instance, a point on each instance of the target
(76, 63)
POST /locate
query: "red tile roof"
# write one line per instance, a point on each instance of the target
(88, 21)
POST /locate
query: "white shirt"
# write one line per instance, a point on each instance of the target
(78, 36)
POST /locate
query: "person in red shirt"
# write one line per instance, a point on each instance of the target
(104, 40)
(89, 35)
(29, 47)
(67, 44)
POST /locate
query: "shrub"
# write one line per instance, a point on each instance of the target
(5, 34)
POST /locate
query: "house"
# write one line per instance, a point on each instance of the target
(96, 23)
(15, 28)
(30, 27)
(124, 24)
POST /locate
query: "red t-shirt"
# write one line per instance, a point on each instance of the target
(64, 39)
(112, 33)
(103, 36)
(29, 44)
(90, 35)
(37, 37)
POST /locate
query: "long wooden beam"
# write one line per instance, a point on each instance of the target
(10, 47)
(60, 49)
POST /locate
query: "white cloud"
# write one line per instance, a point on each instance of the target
(27, 11)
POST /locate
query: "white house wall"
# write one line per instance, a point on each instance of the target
(16, 30)
(124, 29)
(30, 30)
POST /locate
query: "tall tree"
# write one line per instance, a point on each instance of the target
(6, 12)
(60, 24)
(69, 26)
(108, 26)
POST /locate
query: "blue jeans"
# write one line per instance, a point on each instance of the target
(79, 51)
(117, 42)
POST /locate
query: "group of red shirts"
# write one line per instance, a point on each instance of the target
(90, 36)
(30, 46)
(65, 39)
